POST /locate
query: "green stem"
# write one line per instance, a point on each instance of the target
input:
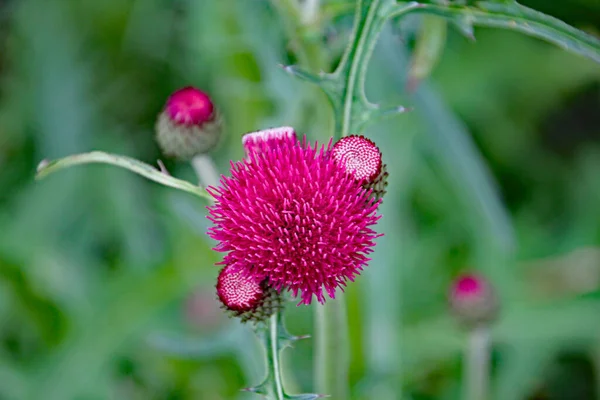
(332, 354)
(477, 360)
(367, 26)
(271, 343)
(46, 168)
(275, 338)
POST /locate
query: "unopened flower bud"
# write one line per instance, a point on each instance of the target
(473, 300)
(188, 125)
(361, 159)
(244, 297)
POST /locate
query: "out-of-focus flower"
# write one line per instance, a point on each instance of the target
(188, 125)
(291, 215)
(472, 300)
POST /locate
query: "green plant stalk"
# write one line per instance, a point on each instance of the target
(275, 338)
(477, 360)
(46, 168)
(332, 355)
(271, 342)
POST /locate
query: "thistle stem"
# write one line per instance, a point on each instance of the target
(332, 349)
(477, 358)
(206, 170)
(274, 387)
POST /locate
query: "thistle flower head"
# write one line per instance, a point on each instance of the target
(245, 297)
(472, 299)
(188, 125)
(359, 157)
(290, 214)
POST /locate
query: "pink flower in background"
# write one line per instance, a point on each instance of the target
(472, 299)
(189, 106)
(188, 125)
(290, 214)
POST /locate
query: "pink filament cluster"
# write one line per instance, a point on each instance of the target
(468, 286)
(359, 156)
(237, 291)
(189, 106)
(290, 214)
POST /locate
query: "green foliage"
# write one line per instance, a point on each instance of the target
(106, 280)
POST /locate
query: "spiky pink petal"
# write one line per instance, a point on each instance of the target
(359, 157)
(290, 214)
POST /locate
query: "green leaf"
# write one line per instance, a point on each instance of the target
(513, 16)
(46, 168)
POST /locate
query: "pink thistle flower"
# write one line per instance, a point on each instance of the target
(291, 215)
(472, 299)
(189, 124)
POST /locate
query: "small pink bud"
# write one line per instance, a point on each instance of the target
(472, 299)
(188, 125)
(245, 297)
(361, 158)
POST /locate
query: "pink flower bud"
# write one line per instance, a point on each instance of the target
(245, 297)
(473, 300)
(361, 159)
(188, 125)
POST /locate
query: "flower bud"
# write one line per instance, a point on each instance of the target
(361, 159)
(473, 301)
(244, 297)
(188, 125)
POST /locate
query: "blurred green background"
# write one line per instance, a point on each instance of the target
(107, 280)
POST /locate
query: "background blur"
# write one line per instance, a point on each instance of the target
(107, 280)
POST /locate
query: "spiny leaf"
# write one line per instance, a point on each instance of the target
(46, 168)
(513, 16)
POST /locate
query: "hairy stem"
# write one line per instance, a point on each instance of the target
(477, 360)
